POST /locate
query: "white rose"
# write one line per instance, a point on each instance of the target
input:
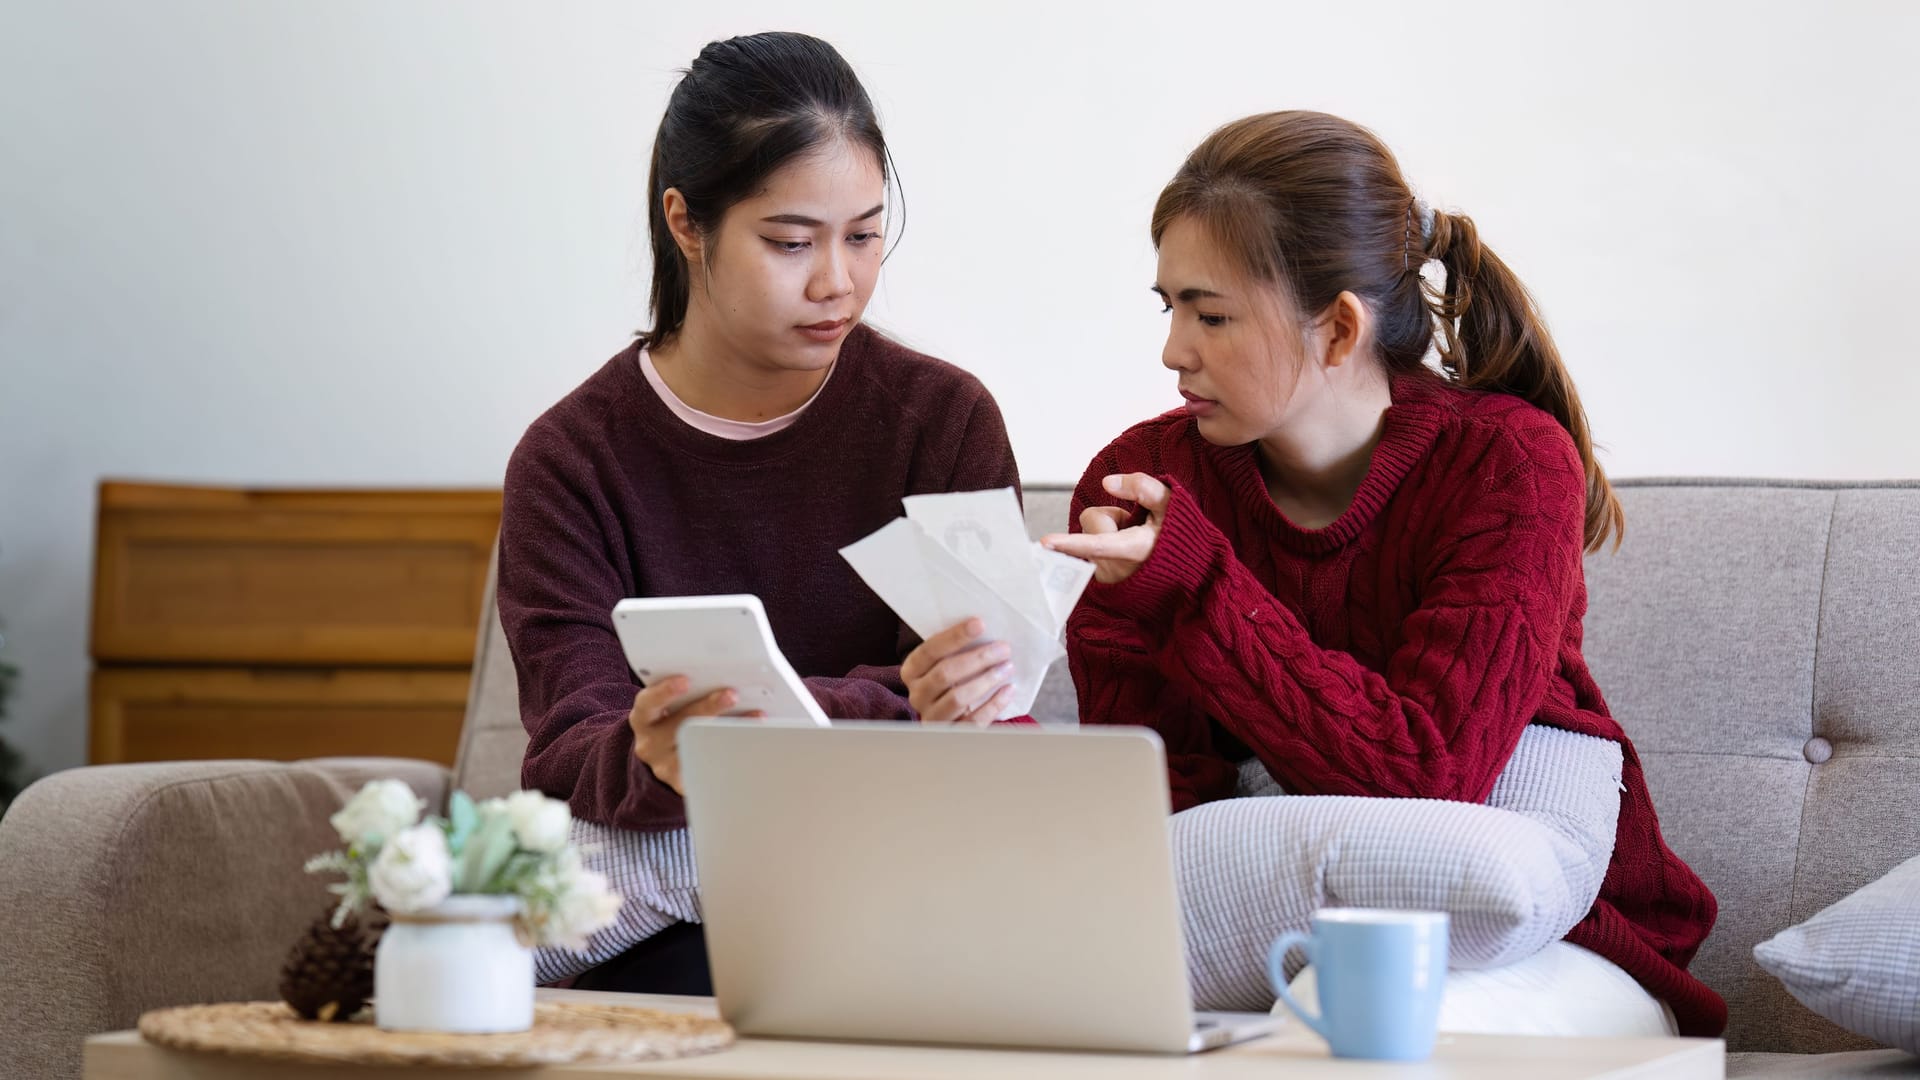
(560, 872)
(377, 813)
(413, 871)
(540, 824)
(584, 905)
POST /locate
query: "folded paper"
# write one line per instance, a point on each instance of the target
(963, 555)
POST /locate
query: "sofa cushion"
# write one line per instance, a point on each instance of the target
(1513, 876)
(132, 887)
(1857, 962)
(1700, 633)
(493, 742)
(1850, 1065)
(1754, 638)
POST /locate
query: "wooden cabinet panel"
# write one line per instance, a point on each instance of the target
(228, 576)
(179, 714)
(285, 624)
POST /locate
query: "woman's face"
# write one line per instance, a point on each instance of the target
(791, 268)
(1237, 353)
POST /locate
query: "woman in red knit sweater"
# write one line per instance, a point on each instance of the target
(1339, 566)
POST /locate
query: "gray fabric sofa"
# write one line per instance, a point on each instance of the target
(1759, 640)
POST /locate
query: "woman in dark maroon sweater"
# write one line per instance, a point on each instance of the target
(1360, 571)
(755, 430)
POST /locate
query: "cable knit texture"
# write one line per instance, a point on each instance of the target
(609, 495)
(1399, 651)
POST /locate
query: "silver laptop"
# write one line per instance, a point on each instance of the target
(889, 882)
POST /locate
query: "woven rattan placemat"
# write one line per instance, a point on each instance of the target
(562, 1033)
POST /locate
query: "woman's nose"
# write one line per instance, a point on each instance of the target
(832, 278)
(1177, 354)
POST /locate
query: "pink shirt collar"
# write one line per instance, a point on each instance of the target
(736, 430)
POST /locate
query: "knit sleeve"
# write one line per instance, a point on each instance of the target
(981, 459)
(1473, 668)
(558, 585)
(868, 692)
(1118, 682)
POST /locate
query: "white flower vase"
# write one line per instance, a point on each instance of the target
(458, 966)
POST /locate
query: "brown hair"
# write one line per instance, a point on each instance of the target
(1318, 205)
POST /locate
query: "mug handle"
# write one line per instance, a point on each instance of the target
(1277, 972)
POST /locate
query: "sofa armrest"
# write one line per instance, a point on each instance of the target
(125, 888)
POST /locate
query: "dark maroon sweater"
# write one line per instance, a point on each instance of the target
(1398, 652)
(609, 495)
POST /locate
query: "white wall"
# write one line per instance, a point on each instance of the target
(365, 242)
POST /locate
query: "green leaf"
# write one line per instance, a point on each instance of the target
(464, 818)
(487, 851)
(518, 874)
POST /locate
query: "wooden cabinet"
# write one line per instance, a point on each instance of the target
(285, 624)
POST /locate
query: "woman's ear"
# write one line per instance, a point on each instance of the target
(680, 224)
(1344, 329)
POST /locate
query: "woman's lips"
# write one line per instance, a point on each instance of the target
(827, 331)
(1197, 405)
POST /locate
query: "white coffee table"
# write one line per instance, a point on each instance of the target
(1293, 1054)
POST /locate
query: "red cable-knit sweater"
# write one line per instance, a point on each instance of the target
(1397, 652)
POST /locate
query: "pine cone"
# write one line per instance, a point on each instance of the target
(329, 972)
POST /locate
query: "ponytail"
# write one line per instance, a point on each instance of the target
(1491, 337)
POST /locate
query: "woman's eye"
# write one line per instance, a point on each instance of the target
(1213, 320)
(864, 238)
(791, 247)
(1166, 307)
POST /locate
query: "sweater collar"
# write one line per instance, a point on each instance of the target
(1410, 425)
(827, 409)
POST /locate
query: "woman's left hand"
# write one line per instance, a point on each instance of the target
(1116, 549)
(954, 678)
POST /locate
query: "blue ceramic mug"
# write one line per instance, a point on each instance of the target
(1380, 974)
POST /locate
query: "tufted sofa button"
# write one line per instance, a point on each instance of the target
(1817, 750)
